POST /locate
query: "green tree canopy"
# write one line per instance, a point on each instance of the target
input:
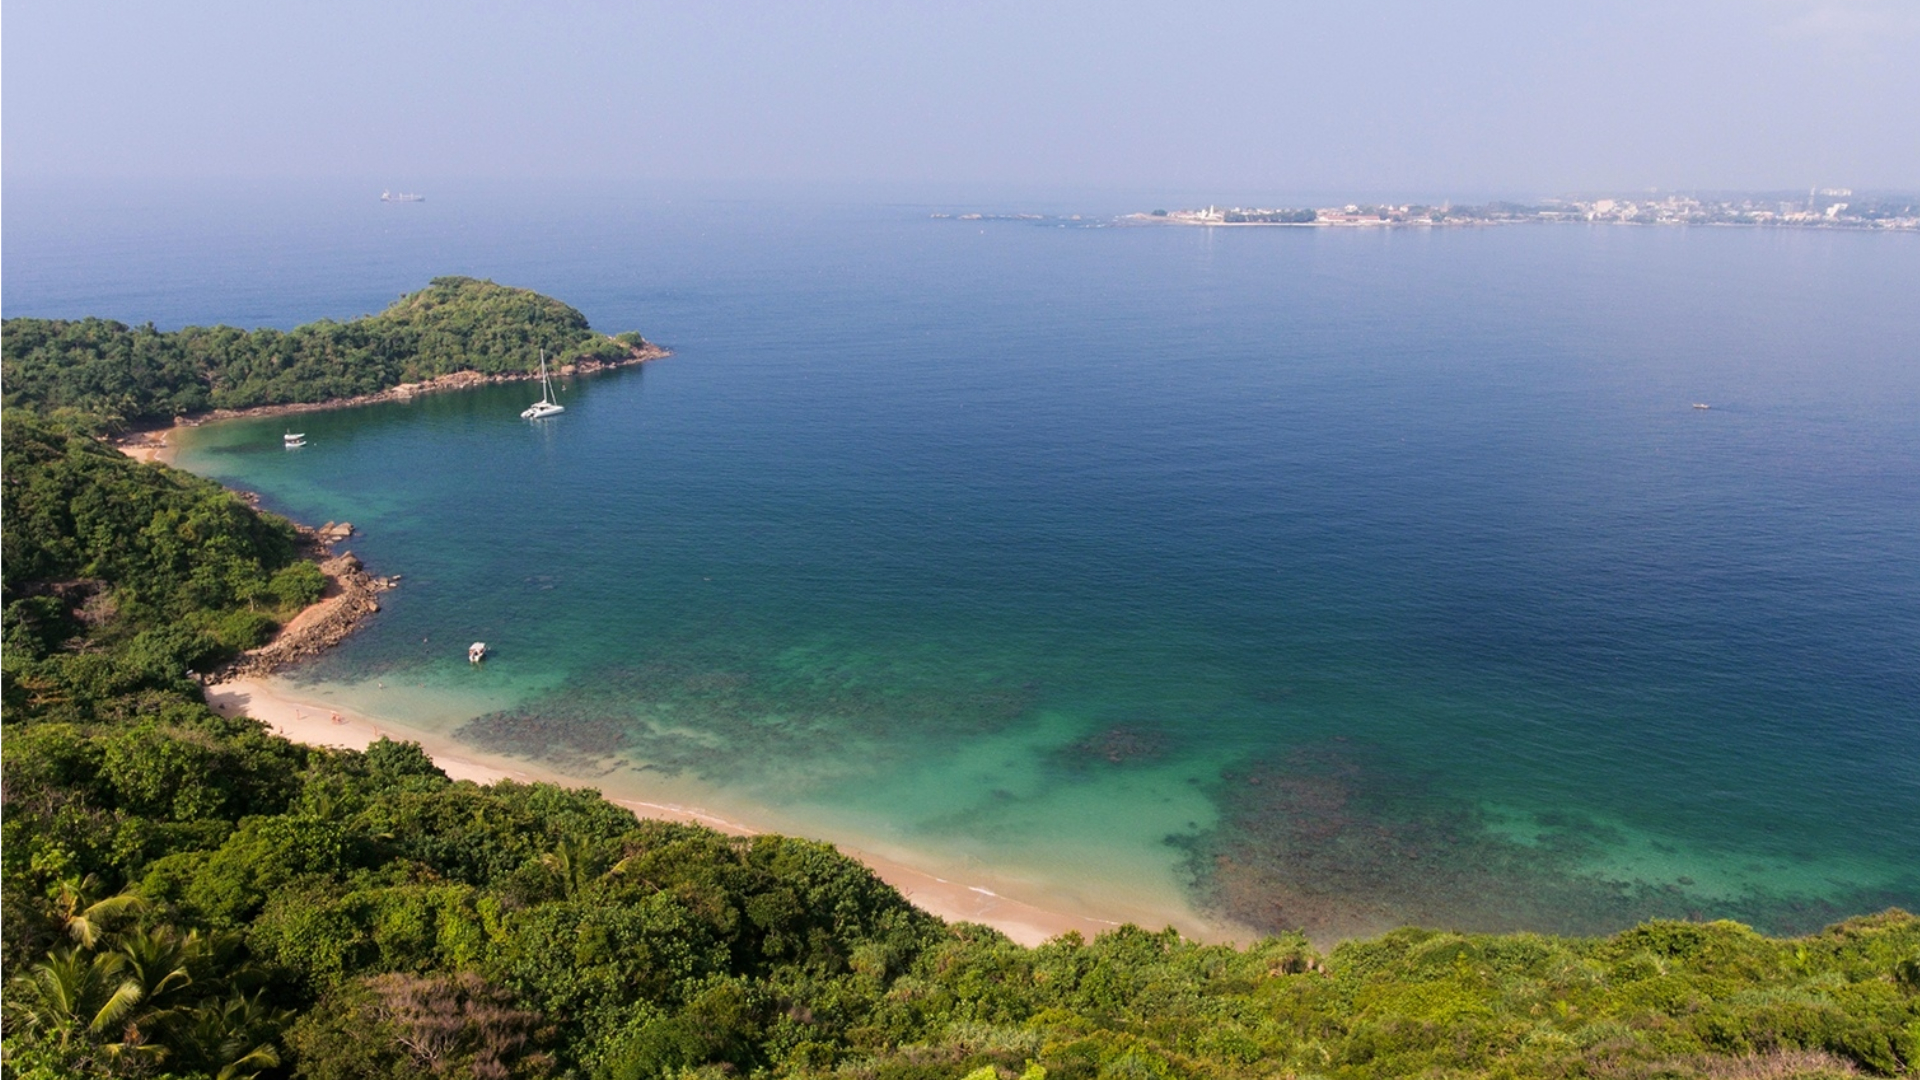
(127, 374)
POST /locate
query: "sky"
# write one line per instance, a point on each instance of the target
(1442, 99)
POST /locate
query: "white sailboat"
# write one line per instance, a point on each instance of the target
(546, 406)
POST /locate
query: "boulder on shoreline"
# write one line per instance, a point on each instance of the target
(350, 597)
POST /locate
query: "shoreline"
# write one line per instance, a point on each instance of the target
(243, 687)
(350, 598)
(155, 444)
(315, 723)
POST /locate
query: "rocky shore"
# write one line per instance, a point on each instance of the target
(458, 380)
(351, 596)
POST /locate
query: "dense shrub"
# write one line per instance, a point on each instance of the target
(121, 578)
(552, 931)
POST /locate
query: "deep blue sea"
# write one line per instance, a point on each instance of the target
(1277, 578)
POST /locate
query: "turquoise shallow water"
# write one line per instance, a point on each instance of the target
(1303, 577)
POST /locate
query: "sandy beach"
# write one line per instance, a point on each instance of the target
(150, 446)
(318, 723)
(249, 688)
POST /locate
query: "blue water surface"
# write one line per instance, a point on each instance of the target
(1312, 578)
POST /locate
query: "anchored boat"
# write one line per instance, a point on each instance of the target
(546, 406)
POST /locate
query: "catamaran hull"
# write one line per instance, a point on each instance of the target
(546, 406)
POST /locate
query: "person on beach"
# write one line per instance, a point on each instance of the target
(337, 720)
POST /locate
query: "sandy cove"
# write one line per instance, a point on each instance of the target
(323, 724)
(150, 447)
(350, 596)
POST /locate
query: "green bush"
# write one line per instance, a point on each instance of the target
(297, 584)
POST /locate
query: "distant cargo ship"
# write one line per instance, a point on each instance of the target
(401, 196)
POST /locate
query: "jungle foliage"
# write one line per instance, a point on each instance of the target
(120, 578)
(187, 895)
(131, 374)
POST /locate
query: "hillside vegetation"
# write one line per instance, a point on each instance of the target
(190, 896)
(120, 578)
(132, 374)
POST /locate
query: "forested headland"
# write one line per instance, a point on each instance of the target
(191, 896)
(125, 374)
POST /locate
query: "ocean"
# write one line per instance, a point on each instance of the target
(1243, 579)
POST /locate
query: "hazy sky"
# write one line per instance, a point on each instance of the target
(1484, 95)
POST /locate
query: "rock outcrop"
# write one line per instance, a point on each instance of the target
(351, 596)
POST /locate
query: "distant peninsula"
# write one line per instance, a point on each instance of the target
(1821, 208)
(457, 331)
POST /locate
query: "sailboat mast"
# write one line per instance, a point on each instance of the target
(546, 406)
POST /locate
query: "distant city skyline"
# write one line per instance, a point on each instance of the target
(1841, 208)
(1486, 97)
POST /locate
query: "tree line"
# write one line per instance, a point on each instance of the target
(123, 374)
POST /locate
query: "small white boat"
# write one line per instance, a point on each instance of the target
(1701, 405)
(292, 439)
(476, 652)
(546, 406)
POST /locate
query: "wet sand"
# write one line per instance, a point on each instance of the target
(322, 724)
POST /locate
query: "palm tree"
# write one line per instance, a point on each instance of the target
(159, 963)
(576, 864)
(133, 1051)
(568, 862)
(73, 997)
(85, 919)
(133, 1008)
(233, 1038)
